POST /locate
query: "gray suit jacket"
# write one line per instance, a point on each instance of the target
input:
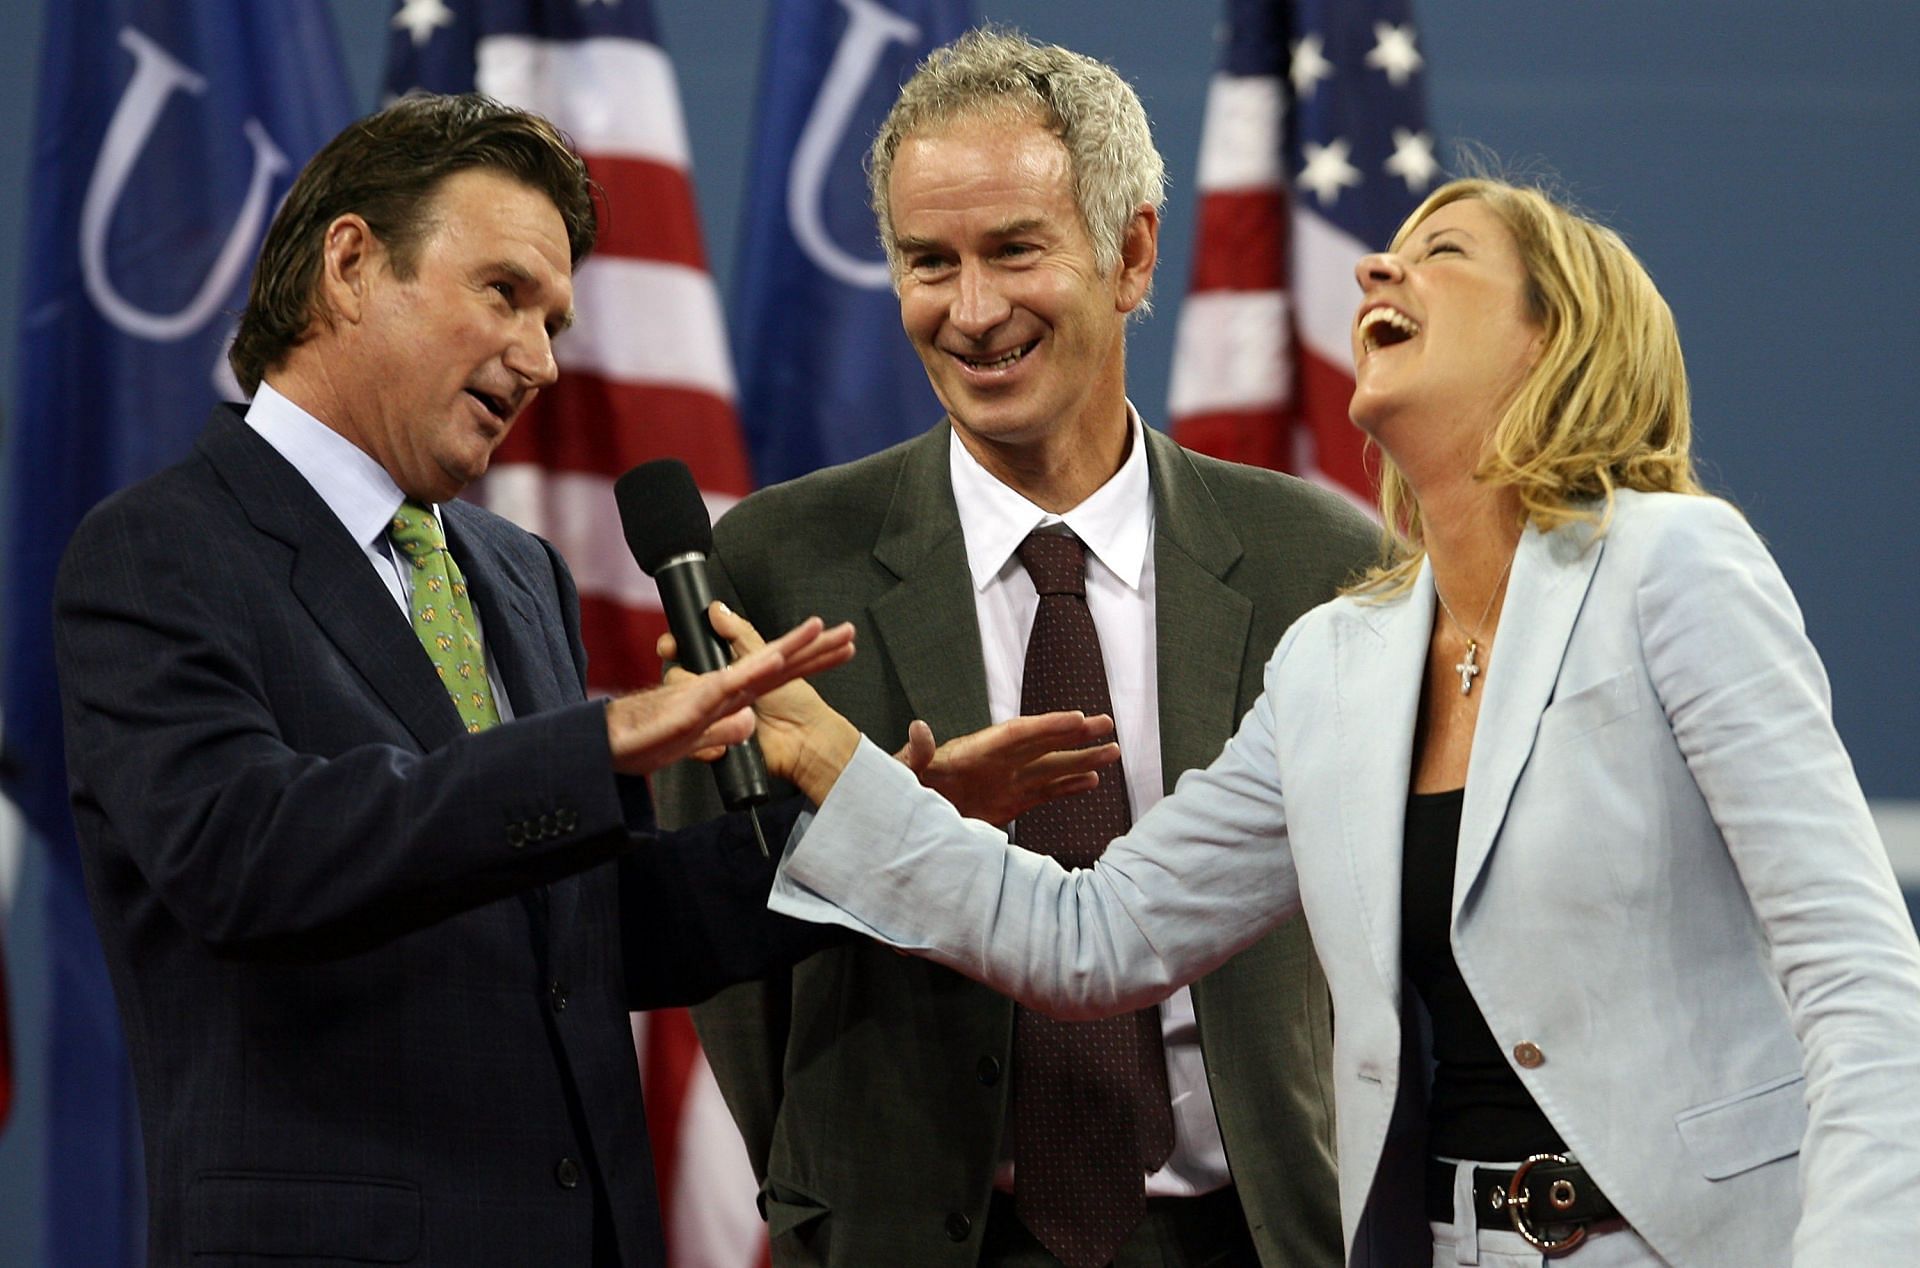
(872, 1088)
(1669, 898)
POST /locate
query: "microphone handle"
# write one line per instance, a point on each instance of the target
(685, 595)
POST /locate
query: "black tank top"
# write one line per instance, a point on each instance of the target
(1478, 1109)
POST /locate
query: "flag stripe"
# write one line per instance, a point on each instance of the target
(579, 508)
(616, 98)
(1230, 353)
(1325, 294)
(643, 321)
(1249, 230)
(649, 212)
(592, 424)
(1240, 137)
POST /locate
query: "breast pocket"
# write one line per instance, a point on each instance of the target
(1589, 708)
(1757, 1125)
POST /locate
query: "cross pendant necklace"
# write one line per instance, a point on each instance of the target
(1467, 670)
(1469, 667)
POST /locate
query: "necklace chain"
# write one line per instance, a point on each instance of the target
(1469, 668)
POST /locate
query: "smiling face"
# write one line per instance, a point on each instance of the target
(438, 365)
(1022, 337)
(1443, 336)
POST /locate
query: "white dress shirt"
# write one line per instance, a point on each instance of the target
(359, 492)
(1116, 524)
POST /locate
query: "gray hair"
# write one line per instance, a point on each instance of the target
(1094, 112)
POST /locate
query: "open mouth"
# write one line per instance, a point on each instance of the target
(1384, 327)
(1001, 361)
(495, 405)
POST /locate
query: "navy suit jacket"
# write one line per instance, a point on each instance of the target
(374, 971)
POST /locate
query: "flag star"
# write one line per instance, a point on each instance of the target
(1394, 53)
(1309, 67)
(418, 18)
(1328, 170)
(1412, 159)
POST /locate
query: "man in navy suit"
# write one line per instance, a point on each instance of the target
(374, 952)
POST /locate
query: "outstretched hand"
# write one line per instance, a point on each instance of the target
(708, 712)
(998, 774)
(803, 740)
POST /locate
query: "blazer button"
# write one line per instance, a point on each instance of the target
(988, 1071)
(567, 1173)
(1529, 1056)
(567, 820)
(557, 993)
(546, 827)
(958, 1226)
(516, 835)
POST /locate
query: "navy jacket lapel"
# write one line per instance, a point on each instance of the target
(330, 576)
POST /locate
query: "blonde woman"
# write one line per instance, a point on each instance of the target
(1620, 970)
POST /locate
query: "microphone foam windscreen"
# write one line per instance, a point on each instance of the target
(662, 513)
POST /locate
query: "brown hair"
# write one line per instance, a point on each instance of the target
(386, 168)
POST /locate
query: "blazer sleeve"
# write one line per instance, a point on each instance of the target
(1203, 874)
(1748, 701)
(181, 768)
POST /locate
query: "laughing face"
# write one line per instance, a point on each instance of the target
(1022, 337)
(1443, 333)
(447, 358)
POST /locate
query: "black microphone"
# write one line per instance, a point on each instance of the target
(670, 535)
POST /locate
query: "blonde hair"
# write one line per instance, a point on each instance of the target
(1606, 405)
(990, 72)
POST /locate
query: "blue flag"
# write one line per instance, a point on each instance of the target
(169, 130)
(825, 373)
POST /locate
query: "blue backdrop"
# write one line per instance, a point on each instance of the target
(1761, 155)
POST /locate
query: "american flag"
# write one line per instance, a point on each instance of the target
(645, 373)
(1315, 147)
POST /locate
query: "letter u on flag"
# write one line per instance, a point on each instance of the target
(168, 131)
(826, 375)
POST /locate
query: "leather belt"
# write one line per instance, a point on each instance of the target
(1546, 1191)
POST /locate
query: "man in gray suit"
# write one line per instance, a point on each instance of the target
(1018, 190)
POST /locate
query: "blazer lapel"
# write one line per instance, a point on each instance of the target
(1380, 653)
(331, 578)
(926, 622)
(1199, 619)
(1551, 575)
(512, 633)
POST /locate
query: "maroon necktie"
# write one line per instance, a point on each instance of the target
(1092, 1115)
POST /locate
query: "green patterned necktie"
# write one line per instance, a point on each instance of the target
(443, 615)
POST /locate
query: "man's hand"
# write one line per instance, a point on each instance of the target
(804, 741)
(999, 774)
(708, 712)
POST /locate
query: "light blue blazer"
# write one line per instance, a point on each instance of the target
(1668, 883)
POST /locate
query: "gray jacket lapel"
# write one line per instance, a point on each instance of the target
(1551, 574)
(1201, 622)
(331, 578)
(926, 623)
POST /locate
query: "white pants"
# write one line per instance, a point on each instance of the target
(1607, 1245)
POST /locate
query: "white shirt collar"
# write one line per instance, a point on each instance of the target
(355, 488)
(1115, 520)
